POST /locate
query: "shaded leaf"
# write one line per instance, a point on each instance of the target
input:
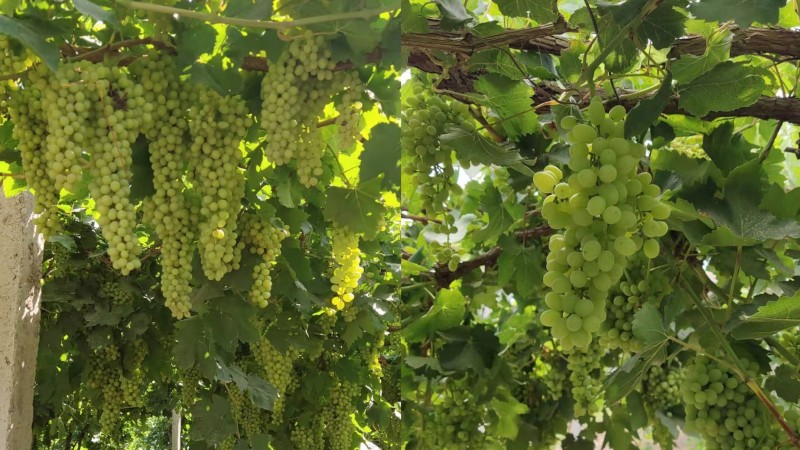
(479, 150)
(648, 110)
(447, 311)
(743, 12)
(32, 39)
(96, 12)
(541, 11)
(381, 154)
(510, 100)
(726, 87)
(357, 209)
(718, 46)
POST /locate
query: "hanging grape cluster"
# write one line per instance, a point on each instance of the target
(11, 62)
(294, 93)
(264, 239)
(278, 369)
(246, 415)
(723, 409)
(347, 268)
(662, 387)
(586, 376)
(167, 210)
(336, 414)
(602, 208)
(308, 434)
(218, 125)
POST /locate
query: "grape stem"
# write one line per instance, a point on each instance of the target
(784, 352)
(478, 116)
(770, 142)
(250, 23)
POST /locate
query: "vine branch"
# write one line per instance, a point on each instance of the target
(251, 23)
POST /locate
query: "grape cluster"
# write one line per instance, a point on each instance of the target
(189, 379)
(294, 94)
(426, 117)
(601, 208)
(308, 435)
(11, 62)
(662, 387)
(105, 375)
(585, 375)
(117, 294)
(28, 112)
(264, 239)
(131, 385)
(347, 268)
(278, 369)
(245, 414)
(723, 409)
(336, 415)
(120, 111)
(790, 339)
(218, 125)
(456, 424)
(167, 210)
(349, 109)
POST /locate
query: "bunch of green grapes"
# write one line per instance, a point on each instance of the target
(105, 375)
(27, 109)
(662, 387)
(643, 286)
(229, 443)
(349, 109)
(189, 379)
(445, 255)
(790, 339)
(117, 294)
(691, 146)
(218, 125)
(167, 210)
(246, 415)
(723, 409)
(278, 369)
(602, 208)
(336, 415)
(347, 268)
(308, 434)
(586, 376)
(457, 424)
(551, 376)
(11, 62)
(69, 101)
(264, 239)
(294, 94)
(425, 118)
(57, 260)
(131, 385)
(120, 111)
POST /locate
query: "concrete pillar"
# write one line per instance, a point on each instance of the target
(20, 290)
(175, 439)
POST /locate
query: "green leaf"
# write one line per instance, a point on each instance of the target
(511, 101)
(100, 14)
(508, 411)
(520, 263)
(7, 7)
(249, 9)
(625, 379)
(31, 39)
(142, 182)
(261, 393)
(193, 42)
(726, 149)
(662, 26)
(381, 154)
(718, 48)
(743, 12)
(214, 74)
(212, 420)
(636, 409)
(454, 14)
(648, 326)
(542, 11)
(769, 319)
(479, 150)
(648, 110)
(357, 209)
(618, 437)
(500, 219)
(785, 383)
(447, 311)
(413, 18)
(726, 87)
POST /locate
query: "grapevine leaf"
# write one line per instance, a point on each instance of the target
(142, 182)
(510, 100)
(743, 12)
(625, 379)
(541, 11)
(249, 9)
(662, 26)
(447, 311)
(718, 46)
(648, 326)
(96, 12)
(7, 7)
(66, 241)
(523, 264)
(769, 319)
(508, 411)
(31, 39)
(381, 154)
(479, 150)
(638, 414)
(413, 19)
(726, 87)
(212, 420)
(500, 219)
(785, 383)
(357, 209)
(648, 110)
(726, 149)
(454, 14)
(261, 393)
(784, 205)
(193, 42)
(214, 74)
(477, 352)
(618, 437)
(615, 17)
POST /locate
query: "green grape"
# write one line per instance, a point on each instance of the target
(264, 239)
(218, 125)
(585, 374)
(167, 210)
(568, 122)
(339, 428)
(245, 414)
(651, 248)
(308, 434)
(189, 380)
(347, 266)
(604, 211)
(278, 369)
(349, 109)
